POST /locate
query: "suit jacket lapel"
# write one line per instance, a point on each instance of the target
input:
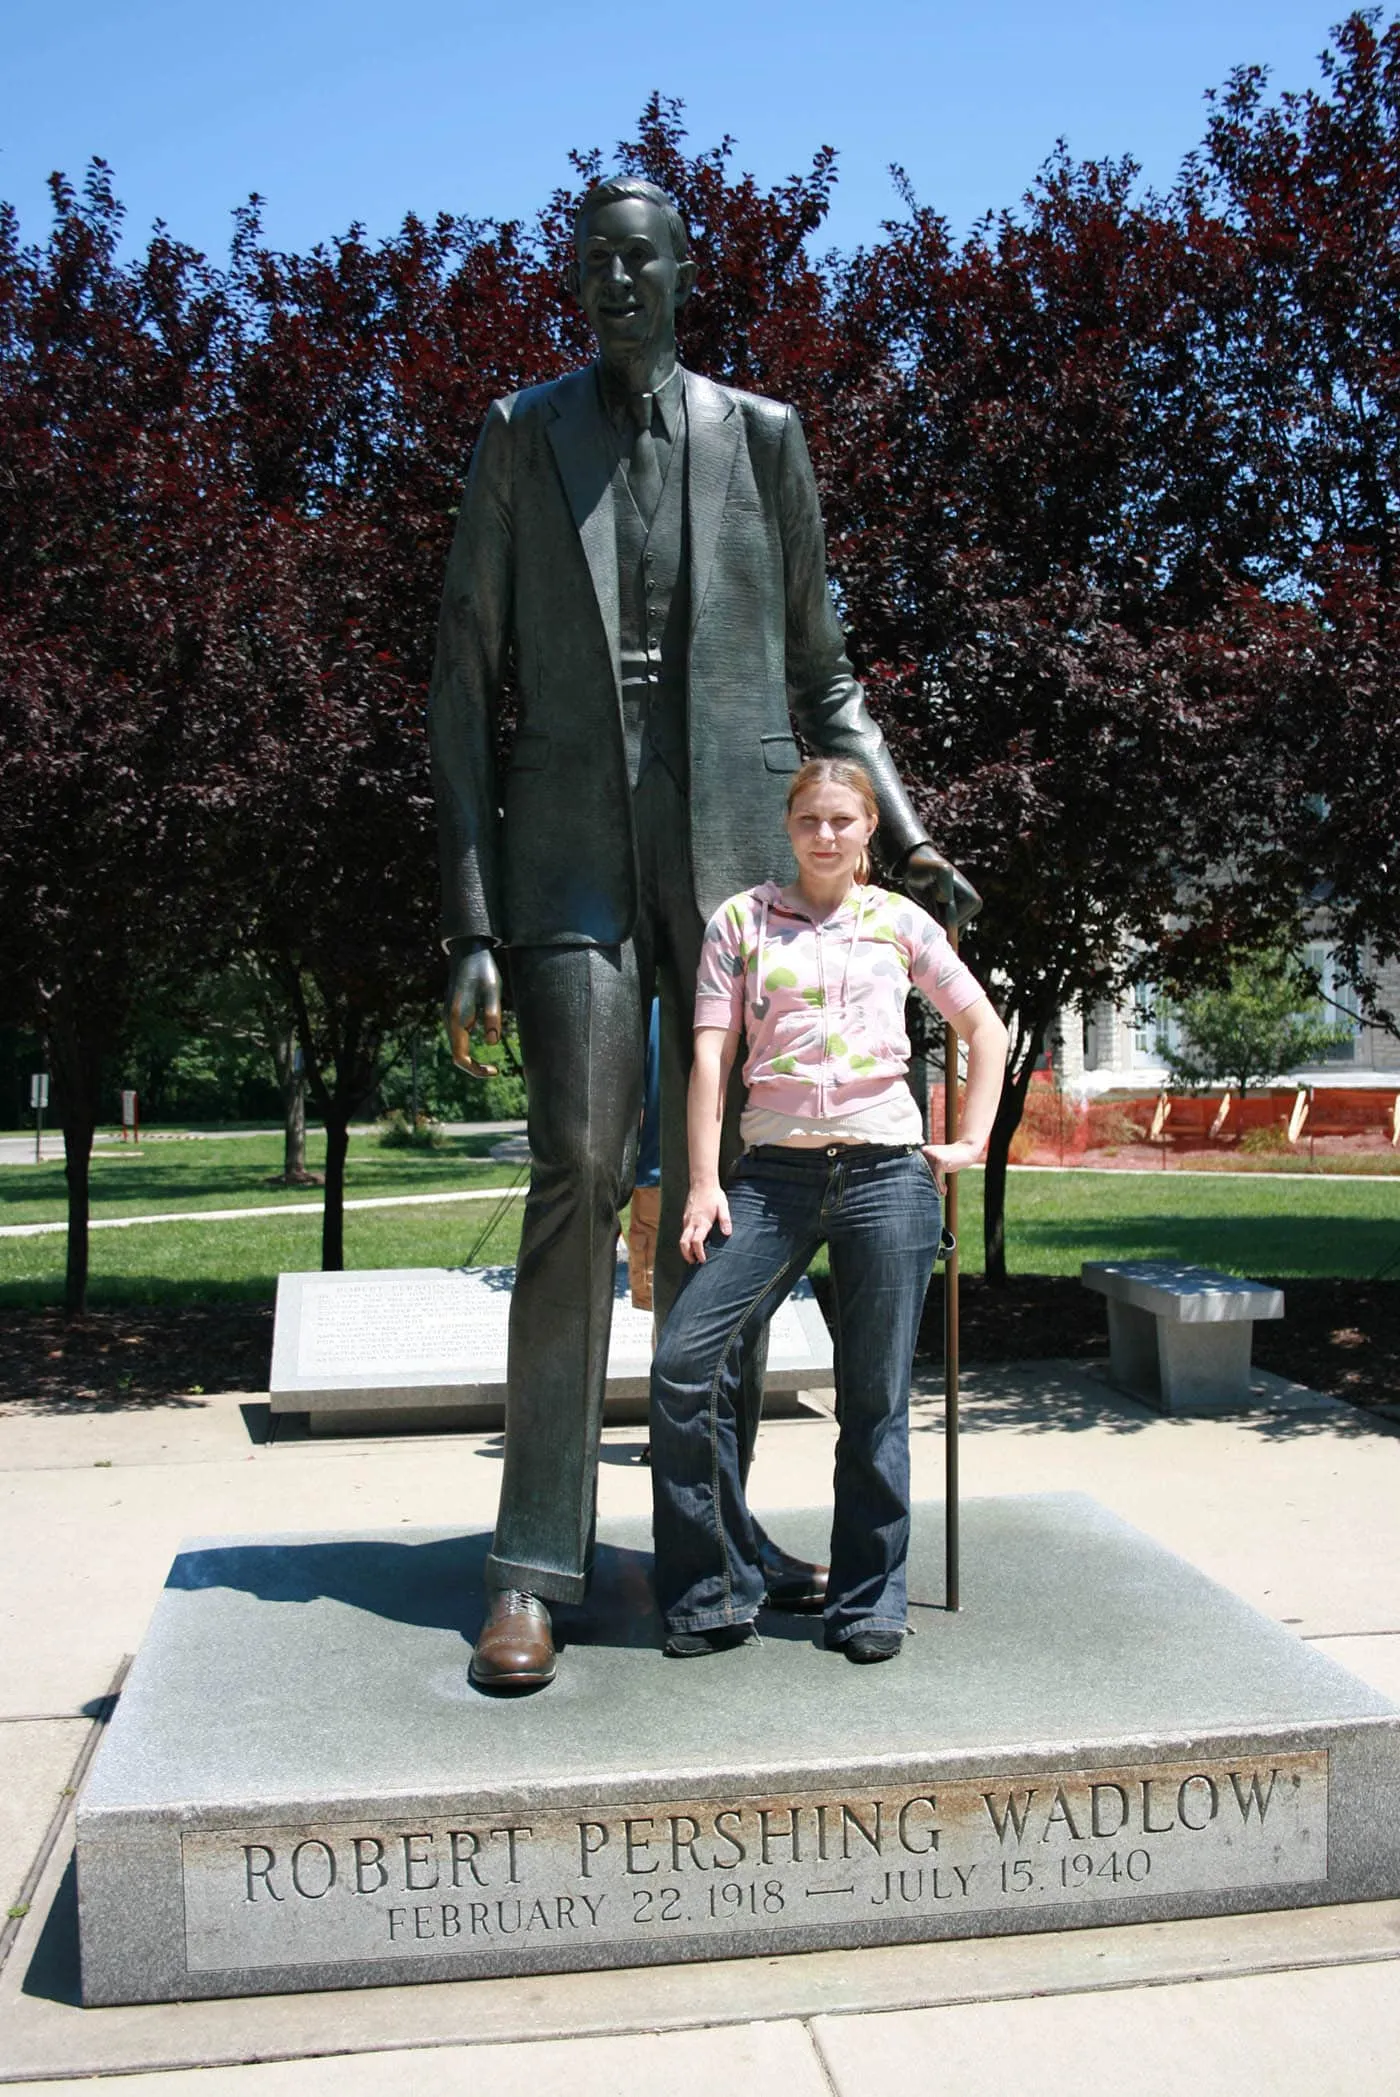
(713, 440)
(585, 465)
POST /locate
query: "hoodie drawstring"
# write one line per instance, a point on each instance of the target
(855, 939)
(762, 934)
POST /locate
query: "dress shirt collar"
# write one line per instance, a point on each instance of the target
(668, 400)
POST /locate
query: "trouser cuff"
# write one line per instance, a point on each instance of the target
(841, 1634)
(712, 1619)
(546, 1582)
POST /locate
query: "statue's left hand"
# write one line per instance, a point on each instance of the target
(936, 883)
(473, 996)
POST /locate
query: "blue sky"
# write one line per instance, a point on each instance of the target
(338, 110)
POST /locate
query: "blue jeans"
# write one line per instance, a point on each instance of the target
(878, 1211)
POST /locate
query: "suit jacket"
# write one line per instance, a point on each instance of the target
(546, 854)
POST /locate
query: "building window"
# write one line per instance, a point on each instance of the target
(1156, 1027)
(1338, 997)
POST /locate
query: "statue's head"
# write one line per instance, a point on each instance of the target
(632, 266)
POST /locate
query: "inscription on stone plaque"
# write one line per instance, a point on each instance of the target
(425, 1326)
(415, 1323)
(393, 1890)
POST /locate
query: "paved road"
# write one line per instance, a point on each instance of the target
(19, 1150)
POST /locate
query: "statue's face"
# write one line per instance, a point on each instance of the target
(629, 280)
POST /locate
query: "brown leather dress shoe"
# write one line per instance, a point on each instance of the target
(516, 1646)
(794, 1586)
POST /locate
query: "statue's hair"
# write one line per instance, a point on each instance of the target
(837, 771)
(615, 188)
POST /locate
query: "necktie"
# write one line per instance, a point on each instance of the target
(644, 469)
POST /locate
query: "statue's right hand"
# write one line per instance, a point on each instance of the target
(473, 996)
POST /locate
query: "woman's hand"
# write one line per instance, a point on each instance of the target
(705, 1206)
(944, 1158)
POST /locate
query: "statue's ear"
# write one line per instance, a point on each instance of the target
(685, 281)
(572, 283)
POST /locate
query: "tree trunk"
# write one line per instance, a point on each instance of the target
(291, 1080)
(333, 1215)
(77, 1065)
(294, 1148)
(77, 1159)
(1008, 1119)
(994, 1185)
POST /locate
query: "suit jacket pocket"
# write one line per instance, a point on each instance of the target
(780, 753)
(531, 751)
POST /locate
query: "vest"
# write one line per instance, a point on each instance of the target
(653, 580)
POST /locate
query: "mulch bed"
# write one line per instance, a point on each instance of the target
(1342, 1337)
(132, 1358)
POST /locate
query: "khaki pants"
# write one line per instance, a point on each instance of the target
(642, 1227)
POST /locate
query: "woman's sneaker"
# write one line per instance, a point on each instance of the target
(867, 1646)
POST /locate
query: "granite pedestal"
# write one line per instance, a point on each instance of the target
(405, 1348)
(301, 1790)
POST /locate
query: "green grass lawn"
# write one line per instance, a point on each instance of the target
(222, 1173)
(1246, 1226)
(240, 1262)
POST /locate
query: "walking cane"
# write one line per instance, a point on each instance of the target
(950, 1314)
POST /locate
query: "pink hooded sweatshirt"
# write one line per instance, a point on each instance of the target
(822, 1001)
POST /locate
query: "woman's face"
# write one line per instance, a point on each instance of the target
(829, 829)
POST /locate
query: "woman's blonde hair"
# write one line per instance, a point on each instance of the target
(838, 771)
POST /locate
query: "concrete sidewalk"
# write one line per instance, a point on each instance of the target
(1294, 1508)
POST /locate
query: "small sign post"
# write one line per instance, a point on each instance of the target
(38, 1100)
(131, 1117)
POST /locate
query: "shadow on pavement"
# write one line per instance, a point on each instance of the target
(1074, 1398)
(53, 1974)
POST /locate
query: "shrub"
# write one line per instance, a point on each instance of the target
(448, 1094)
(1051, 1121)
(1114, 1122)
(397, 1131)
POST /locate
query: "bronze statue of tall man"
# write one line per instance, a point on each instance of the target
(639, 552)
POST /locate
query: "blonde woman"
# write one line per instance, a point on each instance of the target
(815, 976)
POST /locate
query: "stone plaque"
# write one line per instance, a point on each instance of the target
(420, 1324)
(436, 1336)
(722, 1868)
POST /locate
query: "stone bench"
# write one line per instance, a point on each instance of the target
(1179, 1337)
